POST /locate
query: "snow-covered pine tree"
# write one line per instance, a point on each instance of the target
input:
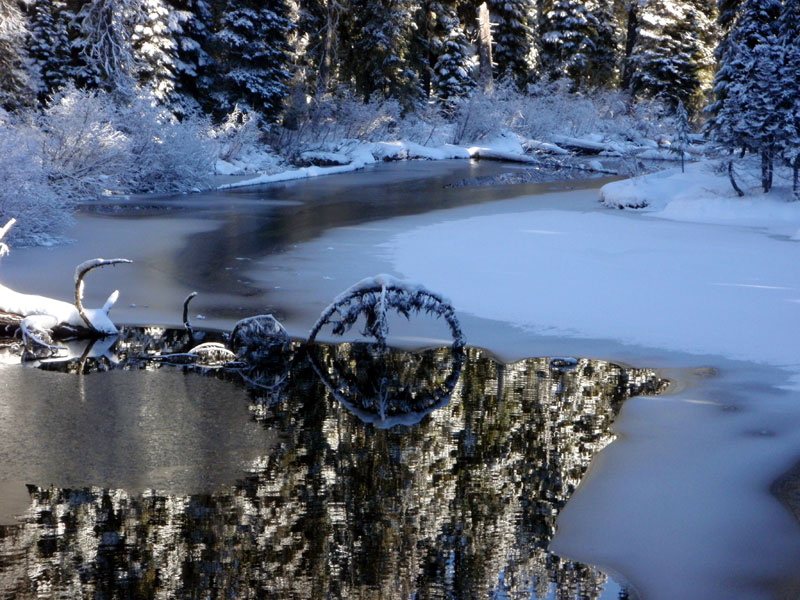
(17, 75)
(579, 41)
(193, 64)
(155, 42)
(316, 45)
(448, 63)
(682, 130)
(672, 57)
(744, 115)
(788, 141)
(452, 77)
(48, 44)
(514, 32)
(102, 31)
(251, 53)
(728, 11)
(376, 51)
(605, 69)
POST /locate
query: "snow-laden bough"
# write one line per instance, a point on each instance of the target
(374, 296)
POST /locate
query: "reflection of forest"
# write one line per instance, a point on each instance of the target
(459, 506)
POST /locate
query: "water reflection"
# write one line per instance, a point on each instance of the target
(461, 505)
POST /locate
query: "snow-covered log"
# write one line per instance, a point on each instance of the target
(38, 317)
(374, 296)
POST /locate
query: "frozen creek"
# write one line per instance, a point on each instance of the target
(681, 504)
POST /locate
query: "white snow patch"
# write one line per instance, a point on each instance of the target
(643, 281)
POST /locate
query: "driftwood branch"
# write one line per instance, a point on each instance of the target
(3, 232)
(186, 323)
(80, 272)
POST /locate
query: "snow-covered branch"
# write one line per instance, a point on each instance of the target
(80, 272)
(373, 296)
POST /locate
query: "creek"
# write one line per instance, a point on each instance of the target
(141, 482)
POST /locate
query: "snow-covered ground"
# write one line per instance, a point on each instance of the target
(702, 272)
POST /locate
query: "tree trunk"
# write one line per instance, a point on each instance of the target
(329, 48)
(796, 177)
(733, 181)
(484, 48)
(630, 41)
(766, 170)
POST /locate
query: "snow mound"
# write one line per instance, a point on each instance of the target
(655, 190)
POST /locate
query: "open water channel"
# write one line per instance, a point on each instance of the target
(136, 479)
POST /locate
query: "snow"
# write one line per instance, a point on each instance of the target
(62, 312)
(695, 274)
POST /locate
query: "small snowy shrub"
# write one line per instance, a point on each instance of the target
(165, 155)
(25, 193)
(336, 116)
(84, 152)
(486, 112)
(93, 147)
(238, 131)
(427, 126)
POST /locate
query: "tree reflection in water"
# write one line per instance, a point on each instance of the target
(460, 505)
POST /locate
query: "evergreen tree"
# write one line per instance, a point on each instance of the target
(514, 33)
(48, 45)
(317, 36)
(17, 75)
(155, 42)
(672, 57)
(788, 139)
(579, 41)
(193, 64)
(103, 43)
(251, 53)
(377, 50)
(442, 41)
(682, 129)
(452, 77)
(745, 114)
(728, 12)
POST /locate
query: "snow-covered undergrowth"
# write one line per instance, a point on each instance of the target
(26, 193)
(87, 144)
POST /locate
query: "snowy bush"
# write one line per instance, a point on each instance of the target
(165, 155)
(25, 193)
(333, 117)
(239, 130)
(83, 151)
(92, 146)
(485, 113)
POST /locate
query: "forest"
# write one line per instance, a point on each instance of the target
(126, 96)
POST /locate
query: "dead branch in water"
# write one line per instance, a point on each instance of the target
(80, 272)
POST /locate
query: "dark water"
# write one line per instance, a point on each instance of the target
(263, 220)
(461, 503)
